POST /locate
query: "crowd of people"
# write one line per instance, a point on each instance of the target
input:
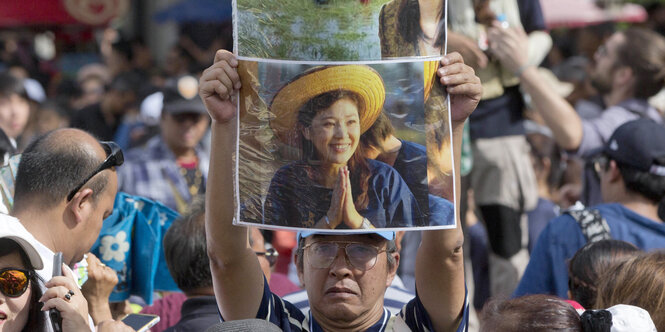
(559, 170)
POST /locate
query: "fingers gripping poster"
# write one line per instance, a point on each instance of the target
(343, 123)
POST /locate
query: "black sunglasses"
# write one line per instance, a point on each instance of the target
(271, 255)
(114, 157)
(14, 282)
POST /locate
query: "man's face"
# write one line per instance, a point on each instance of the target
(343, 292)
(184, 131)
(606, 64)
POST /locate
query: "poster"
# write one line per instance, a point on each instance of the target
(343, 123)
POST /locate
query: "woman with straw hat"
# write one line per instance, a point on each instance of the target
(323, 112)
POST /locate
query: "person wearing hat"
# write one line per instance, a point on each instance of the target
(21, 292)
(324, 111)
(172, 167)
(631, 168)
(345, 275)
(19, 285)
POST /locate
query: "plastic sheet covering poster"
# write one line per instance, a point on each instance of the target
(343, 123)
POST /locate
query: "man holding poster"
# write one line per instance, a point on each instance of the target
(345, 287)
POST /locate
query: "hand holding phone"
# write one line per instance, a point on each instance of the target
(141, 322)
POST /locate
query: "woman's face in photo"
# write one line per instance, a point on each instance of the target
(13, 310)
(335, 132)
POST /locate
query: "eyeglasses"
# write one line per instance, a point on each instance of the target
(114, 157)
(271, 255)
(361, 256)
(14, 282)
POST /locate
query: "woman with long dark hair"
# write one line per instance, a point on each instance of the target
(323, 112)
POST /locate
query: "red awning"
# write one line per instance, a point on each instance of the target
(59, 12)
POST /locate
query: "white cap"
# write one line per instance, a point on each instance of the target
(629, 318)
(6, 232)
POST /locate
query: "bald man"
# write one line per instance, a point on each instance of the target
(65, 187)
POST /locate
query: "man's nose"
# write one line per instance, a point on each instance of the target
(340, 267)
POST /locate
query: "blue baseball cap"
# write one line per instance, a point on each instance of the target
(388, 235)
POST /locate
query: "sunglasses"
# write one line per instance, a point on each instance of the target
(271, 255)
(361, 256)
(14, 282)
(114, 157)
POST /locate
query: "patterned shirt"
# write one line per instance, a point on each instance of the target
(412, 317)
(151, 171)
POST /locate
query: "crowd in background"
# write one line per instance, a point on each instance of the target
(563, 187)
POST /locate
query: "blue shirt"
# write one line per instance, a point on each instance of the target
(290, 319)
(547, 272)
(295, 200)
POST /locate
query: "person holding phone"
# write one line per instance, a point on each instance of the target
(65, 187)
(21, 294)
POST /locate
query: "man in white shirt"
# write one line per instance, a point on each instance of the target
(65, 187)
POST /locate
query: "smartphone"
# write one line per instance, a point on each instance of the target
(54, 314)
(140, 322)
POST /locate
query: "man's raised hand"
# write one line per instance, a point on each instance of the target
(218, 85)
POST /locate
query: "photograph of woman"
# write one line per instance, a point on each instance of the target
(323, 111)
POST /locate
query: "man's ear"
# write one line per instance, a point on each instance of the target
(392, 272)
(306, 134)
(624, 75)
(80, 207)
(614, 173)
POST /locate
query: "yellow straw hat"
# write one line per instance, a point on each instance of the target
(359, 79)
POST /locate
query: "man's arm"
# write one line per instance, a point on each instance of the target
(439, 261)
(510, 45)
(236, 273)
